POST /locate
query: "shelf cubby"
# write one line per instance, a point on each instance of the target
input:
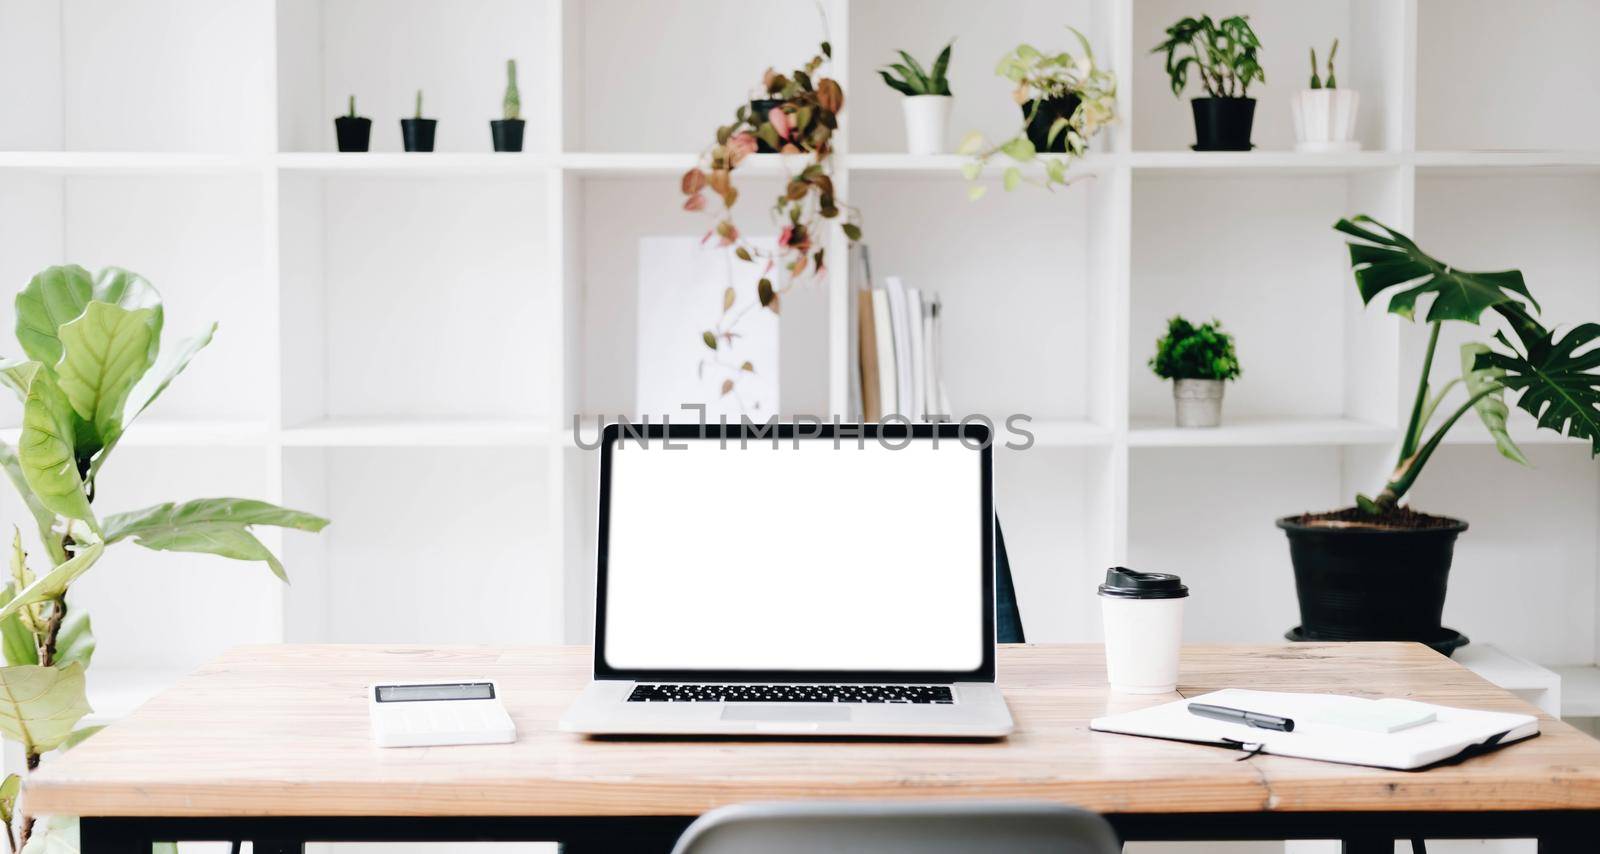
(383, 51)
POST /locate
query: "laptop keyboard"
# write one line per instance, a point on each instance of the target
(699, 692)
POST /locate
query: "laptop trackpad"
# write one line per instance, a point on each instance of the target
(784, 712)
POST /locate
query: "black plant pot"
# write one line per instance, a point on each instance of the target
(418, 133)
(354, 133)
(1364, 584)
(507, 134)
(758, 114)
(1039, 126)
(1223, 124)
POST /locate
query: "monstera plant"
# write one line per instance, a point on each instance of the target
(1378, 570)
(90, 345)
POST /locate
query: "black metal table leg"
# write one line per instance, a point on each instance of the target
(1366, 845)
(278, 846)
(1565, 844)
(112, 836)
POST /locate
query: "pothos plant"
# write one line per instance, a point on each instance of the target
(800, 117)
(1557, 377)
(1040, 78)
(90, 344)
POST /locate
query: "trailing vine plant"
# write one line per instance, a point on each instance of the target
(798, 116)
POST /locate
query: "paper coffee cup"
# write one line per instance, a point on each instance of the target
(1143, 617)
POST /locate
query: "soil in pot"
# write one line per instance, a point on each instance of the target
(507, 134)
(354, 133)
(1364, 577)
(417, 134)
(1223, 124)
(1039, 126)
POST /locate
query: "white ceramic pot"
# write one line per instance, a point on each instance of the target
(1198, 402)
(1325, 119)
(927, 123)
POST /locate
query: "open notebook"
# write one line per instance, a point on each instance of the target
(1453, 734)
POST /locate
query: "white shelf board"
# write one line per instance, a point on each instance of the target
(1259, 432)
(181, 434)
(419, 432)
(949, 165)
(1263, 162)
(414, 163)
(126, 162)
(1481, 162)
(1580, 690)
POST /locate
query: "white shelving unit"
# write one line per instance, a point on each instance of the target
(406, 338)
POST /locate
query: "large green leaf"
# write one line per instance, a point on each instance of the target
(218, 526)
(39, 706)
(43, 516)
(16, 641)
(75, 640)
(48, 451)
(57, 834)
(108, 348)
(1560, 386)
(8, 798)
(1387, 259)
(53, 584)
(144, 397)
(59, 294)
(1491, 408)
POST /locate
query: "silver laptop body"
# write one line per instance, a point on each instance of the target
(794, 580)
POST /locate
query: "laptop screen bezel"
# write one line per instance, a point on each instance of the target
(974, 432)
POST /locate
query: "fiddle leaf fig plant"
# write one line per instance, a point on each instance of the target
(1556, 376)
(91, 347)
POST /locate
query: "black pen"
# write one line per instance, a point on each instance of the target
(1240, 716)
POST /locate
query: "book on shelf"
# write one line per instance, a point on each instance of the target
(896, 349)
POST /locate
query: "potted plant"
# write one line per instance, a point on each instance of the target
(1225, 55)
(801, 121)
(76, 406)
(1325, 115)
(927, 103)
(354, 132)
(1198, 360)
(507, 130)
(1065, 101)
(417, 132)
(1379, 570)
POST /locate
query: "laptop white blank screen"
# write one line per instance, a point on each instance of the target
(810, 558)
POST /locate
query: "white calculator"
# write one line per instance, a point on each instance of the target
(426, 714)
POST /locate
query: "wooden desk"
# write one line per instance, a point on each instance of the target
(270, 743)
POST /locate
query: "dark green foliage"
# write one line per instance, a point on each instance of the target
(1190, 352)
(913, 80)
(1223, 52)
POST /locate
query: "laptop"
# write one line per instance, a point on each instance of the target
(794, 580)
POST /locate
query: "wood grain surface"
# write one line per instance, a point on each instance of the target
(282, 730)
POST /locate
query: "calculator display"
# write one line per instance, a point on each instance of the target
(450, 691)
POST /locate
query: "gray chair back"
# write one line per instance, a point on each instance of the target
(891, 827)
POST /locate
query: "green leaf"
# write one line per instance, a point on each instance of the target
(219, 526)
(53, 584)
(896, 85)
(1019, 149)
(39, 706)
(976, 191)
(80, 735)
(1560, 386)
(1388, 259)
(43, 516)
(915, 66)
(48, 452)
(75, 640)
(108, 349)
(58, 295)
(15, 639)
(764, 292)
(185, 353)
(972, 170)
(8, 798)
(1013, 177)
(851, 230)
(1491, 408)
(1056, 127)
(939, 84)
(971, 144)
(57, 834)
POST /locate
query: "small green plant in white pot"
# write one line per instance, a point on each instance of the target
(927, 103)
(1324, 114)
(1199, 359)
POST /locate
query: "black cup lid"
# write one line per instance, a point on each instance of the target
(1124, 583)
